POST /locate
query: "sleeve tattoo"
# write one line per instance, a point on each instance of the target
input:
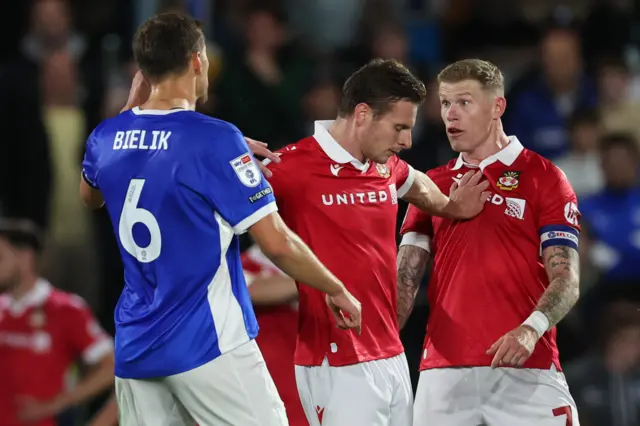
(412, 264)
(562, 266)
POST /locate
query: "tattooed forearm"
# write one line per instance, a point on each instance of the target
(412, 263)
(562, 266)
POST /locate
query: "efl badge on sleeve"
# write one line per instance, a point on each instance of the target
(509, 181)
(247, 170)
(383, 170)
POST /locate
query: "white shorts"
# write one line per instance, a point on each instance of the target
(234, 389)
(501, 397)
(374, 393)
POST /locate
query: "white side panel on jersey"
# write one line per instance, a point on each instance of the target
(225, 309)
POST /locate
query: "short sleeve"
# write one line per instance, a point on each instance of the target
(417, 229)
(85, 338)
(283, 175)
(234, 183)
(558, 214)
(90, 162)
(405, 175)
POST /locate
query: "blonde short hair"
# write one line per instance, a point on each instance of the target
(484, 72)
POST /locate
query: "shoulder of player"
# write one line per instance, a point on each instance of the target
(291, 154)
(541, 168)
(442, 175)
(66, 302)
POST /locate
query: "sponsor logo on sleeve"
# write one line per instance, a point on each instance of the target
(247, 170)
(571, 213)
(259, 195)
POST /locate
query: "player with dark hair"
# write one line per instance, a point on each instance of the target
(501, 281)
(43, 333)
(179, 187)
(339, 191)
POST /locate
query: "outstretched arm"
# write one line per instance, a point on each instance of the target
(412, 264)
(466, 200)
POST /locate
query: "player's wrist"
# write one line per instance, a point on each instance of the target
(538, 322)
(337, 290)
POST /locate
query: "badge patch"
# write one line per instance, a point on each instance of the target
(383, 170)
(247, 170)
(509, 181)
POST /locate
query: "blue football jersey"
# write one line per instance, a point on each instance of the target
(179, 187)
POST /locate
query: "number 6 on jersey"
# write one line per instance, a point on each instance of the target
(132, 214)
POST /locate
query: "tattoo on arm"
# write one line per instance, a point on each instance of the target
(412, 264)
(563, 270)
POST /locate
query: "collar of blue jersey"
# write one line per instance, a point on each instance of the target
(138, 111)
(332, 148)
(506, 156)
(36, 296)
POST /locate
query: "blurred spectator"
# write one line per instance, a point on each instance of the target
(620, 112)
(605, 385)
(321, 103)
(275, 297)
(261, 90)
(612, 215)
(608, 28)
(43, 331)
(582, 163)
(539, 112)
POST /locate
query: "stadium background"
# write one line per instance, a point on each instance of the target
(573, 75)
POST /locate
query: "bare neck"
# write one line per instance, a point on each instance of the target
(27, 284)
(172, 93)
(343, 131)
(495, 141)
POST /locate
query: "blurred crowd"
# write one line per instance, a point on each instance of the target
(573, 73)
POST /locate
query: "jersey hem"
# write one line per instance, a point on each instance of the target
(351, 360)
(536, 365)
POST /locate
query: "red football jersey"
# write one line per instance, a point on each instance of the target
(277, 337)
(41, 335)
(488, 274)
(345, 211)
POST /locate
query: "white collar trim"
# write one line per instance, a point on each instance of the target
(34, 297)
(138, 111)
(506, 156)
(332, 148)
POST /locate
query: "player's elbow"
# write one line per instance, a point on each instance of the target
(273, 237)
(90, 197)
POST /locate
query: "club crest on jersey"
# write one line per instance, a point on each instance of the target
(509, 181)
(383, 170)
(37, 319)
(246, 170)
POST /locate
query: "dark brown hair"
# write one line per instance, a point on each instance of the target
(163, 45)
(379, 84)
(484, 72)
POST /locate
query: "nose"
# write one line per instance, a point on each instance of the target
(452, 113)
(406, 139)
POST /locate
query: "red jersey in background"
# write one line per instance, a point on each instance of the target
(41, 336)
(277, 337)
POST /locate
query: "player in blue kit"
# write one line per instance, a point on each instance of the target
(179, 187)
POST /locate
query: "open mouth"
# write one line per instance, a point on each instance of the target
(453, 131)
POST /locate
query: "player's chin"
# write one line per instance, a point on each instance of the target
(384, 157)
(460, 145)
